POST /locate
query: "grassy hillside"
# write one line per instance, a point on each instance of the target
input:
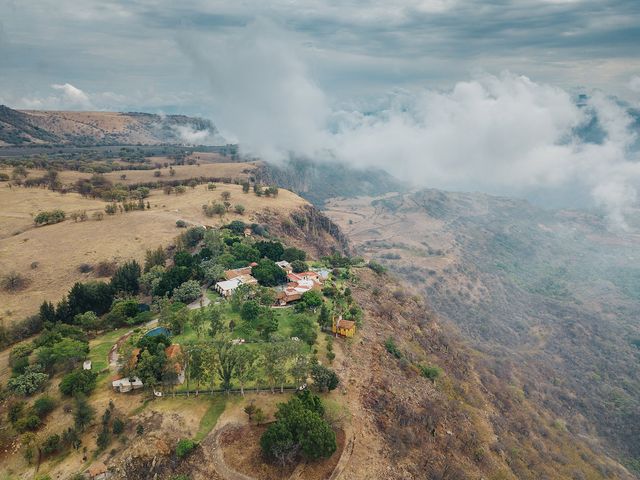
(50, 256)
(96, 128)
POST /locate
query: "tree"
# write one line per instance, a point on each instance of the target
(299, 428)
(153, 258)
(270, 250)
(324, 319)
(245, 367)
(300, 368)
(43, 406)
(291, 254)
(187, 292)
(245, 252)
(51, 444)
(117, 426)
(65, 353)
(250, 410)
(226, 361)
(268, 273)
(70, 437)
(298, 266)
(245, 187)
(126, 278)
(310, 300)
(324, 379)
(88, 320)
(226, 195)
(198, 321)
(47, 312)
(274, 363)
(194, 355)
(250, 311)
(94, 296)
(172, 278)
(306, 330)
(214, 315)
(32, 380)
(83, 412)
(78, 381)
(279, 443)
(212, 271)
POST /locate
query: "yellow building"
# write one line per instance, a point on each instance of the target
(345, 328)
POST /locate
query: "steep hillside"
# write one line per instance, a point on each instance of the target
(471, 422)
(551, 299)
(99, 128)
(319, 181)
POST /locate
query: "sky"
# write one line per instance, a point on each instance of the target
(454, 94)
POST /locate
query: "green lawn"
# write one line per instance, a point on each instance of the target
(208, 421)
(99, 348)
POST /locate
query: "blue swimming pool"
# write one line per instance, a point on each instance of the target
(154, 332)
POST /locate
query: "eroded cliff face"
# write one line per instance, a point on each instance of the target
(309, 229)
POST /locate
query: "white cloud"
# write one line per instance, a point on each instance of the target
(73, 96)
(68, 98)
(501, 134)
(634, 84)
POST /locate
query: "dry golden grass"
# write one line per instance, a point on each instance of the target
(183, 172)
(20, 205)
(59, 249)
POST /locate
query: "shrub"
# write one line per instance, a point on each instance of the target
(392, 348)
(28, 423)
(211, 186)
(376, 267)
(50, 217)
(185, 447)
(85, 268)
(106, 268)
(239, 209)
(431, 372)
(14, 282)
(118, 426)
(111, 209)
(181, 224)
(43, 406)
(51, 444)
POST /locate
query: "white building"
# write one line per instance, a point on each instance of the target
(227, 287)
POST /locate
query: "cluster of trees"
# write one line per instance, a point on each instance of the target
(300, 430)
(95, 304)
(50, 217)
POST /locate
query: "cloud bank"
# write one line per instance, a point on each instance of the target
(502, 134)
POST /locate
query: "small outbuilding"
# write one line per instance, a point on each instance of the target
(344, 328)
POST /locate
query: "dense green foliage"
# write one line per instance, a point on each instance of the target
(78, 381)
(300, 428)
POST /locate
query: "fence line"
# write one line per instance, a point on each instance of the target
(231, 391)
